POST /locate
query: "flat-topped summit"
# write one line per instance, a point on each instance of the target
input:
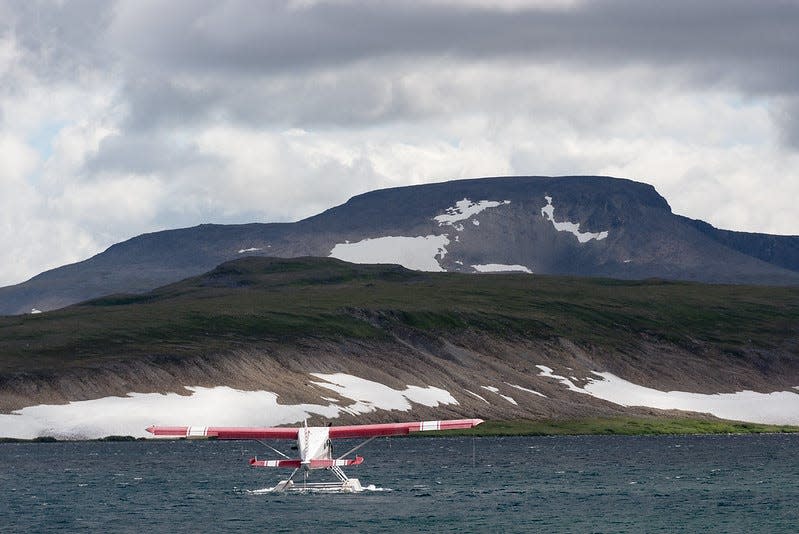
(574, 225)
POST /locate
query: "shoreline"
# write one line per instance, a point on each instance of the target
(572, 427)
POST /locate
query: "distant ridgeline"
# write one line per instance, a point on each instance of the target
(577, 225)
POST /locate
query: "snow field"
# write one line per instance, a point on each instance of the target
(501, 268)
(776, 408)
(216, 406)
(419, 253)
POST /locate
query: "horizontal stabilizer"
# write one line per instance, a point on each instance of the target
(342, 462)
(276, 463)
(312, 464)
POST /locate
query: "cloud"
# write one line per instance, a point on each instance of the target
(131, 116)
(32, 240)
(236, 37)
(785, 113)
(58, 39)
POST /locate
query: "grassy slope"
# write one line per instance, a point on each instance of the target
(611, 426)
(258, 299)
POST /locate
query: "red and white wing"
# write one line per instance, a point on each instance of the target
(335, 432)
(398, 429)
(223, 432)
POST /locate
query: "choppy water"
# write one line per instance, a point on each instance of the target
(538, 484)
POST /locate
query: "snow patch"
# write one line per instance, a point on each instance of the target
(251, 249)
(463, 209)
(534, 392)
(509, 399)
(370, 396)
(501, 268)
(419, 253)
(476, 222)
(476, 395)
(776, 408)
(547, 372)
(34, 311)
(492, 389)
(548, 212)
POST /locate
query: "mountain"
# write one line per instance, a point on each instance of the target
(335, 340)
(577, 225)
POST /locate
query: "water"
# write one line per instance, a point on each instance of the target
(538, 484)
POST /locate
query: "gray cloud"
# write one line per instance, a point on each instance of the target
(277, 62)
(155, 101)
(348, 96)
(146, 154)
(58, 39)
(332, 63)
(786, 116)
(235, 38)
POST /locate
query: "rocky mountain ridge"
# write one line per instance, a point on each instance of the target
(579, 225)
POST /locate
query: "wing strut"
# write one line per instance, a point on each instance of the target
(274, 449)
(356, 448)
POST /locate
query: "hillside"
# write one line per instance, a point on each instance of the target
(266, 323)
(576, 226)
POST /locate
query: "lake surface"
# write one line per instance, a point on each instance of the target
(527, 484)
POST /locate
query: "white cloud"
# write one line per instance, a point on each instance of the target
(114, 201)
(31, 239)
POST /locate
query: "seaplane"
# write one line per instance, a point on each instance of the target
(314, 445)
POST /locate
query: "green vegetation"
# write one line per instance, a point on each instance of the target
(616, 426)
(253, 301)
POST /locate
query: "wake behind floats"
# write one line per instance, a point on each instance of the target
(314, 444)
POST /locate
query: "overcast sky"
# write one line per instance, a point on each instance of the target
(124, 117)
